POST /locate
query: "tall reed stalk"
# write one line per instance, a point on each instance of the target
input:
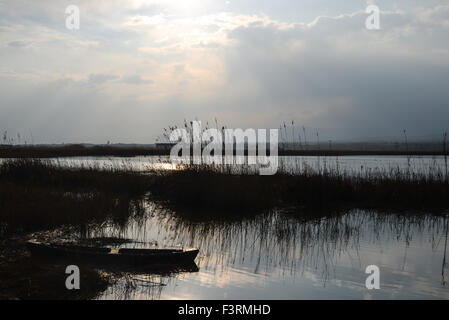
(445, 155)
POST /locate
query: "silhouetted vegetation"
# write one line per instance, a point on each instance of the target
(78, 150)
(37, 195)
(26, 279)
(205, 188)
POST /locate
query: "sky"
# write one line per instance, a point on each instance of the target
(135, 67)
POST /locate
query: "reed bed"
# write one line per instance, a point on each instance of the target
(207, 187)
(40, 195)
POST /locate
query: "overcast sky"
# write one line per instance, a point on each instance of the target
(135, 67)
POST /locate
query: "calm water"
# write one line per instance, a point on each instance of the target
(286, 256)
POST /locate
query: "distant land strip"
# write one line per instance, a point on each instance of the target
(79, 150)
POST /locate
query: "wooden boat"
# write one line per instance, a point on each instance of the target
(127, 256)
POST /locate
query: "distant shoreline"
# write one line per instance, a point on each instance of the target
(58, 151)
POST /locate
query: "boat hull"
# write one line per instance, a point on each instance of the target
(136, 257)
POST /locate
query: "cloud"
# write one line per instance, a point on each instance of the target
(135, 79)
(154, 65)
(145, 20)
(101, 78)
(437, 16)
(18, 44)
(336, 74)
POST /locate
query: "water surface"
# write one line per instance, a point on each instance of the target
(288, 256)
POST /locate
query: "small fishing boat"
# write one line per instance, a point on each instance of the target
(143, 256)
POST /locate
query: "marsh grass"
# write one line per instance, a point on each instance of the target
(41, 195)
(38, 195)
(203, 188)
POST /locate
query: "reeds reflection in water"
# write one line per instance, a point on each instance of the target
(287, 254)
